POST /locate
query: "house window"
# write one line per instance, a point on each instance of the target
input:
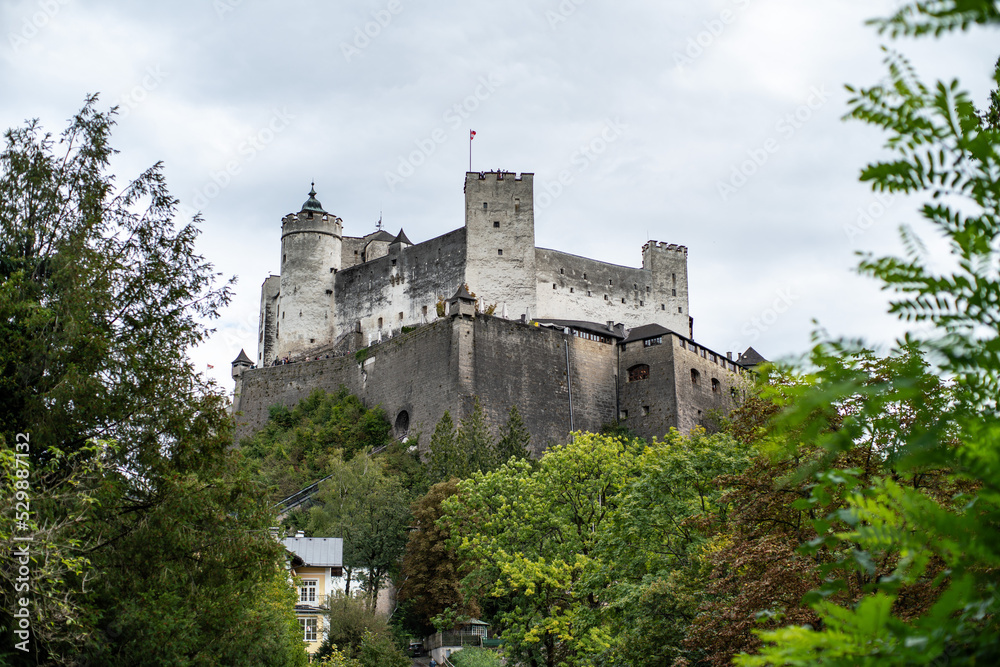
(307, 590)
(496, 224)
(649, 342)
(695, 376)
(715, 386)
(308, 626)
(638, 372)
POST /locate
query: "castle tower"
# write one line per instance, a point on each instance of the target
(311, 243)
(668, 264)
(500, 239)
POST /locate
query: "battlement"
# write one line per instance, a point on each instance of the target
(498, 177)
(660, 245)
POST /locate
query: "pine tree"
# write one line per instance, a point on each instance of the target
(476, 442)
(515, 441)
(443, 461)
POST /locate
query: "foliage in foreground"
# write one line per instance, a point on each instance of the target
(946, 150)
(152, 545)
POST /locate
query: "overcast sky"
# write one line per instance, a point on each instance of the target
(715, 125)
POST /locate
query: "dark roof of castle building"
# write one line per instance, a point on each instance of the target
(242, 359)
(312, 204)
(463, 293)
(401, 238)
(380, 235)
(751, 358)
(615, 331)
(646, 331)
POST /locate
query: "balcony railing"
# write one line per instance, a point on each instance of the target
(440, 639)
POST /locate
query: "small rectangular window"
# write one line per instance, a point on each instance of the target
(499, 252)
(394, 262)
(623, 300)
(553, 285)
(561, 272)
(484, 206)
(673, 292)
(679, 309)
(645, 410)
(496, 224)
(570, 290)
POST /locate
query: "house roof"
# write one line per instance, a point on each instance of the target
(751, 358)
(582, 325)
(646, 331)
(317, 551)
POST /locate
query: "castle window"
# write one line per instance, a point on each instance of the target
(673, 292)
(673, 276)
(663, 306)
(282, 314)
(695, 376)
(355, 252)
(570, 290)
(517, 205)
(553, 285)
(645, 410)
(605, 297)
(634, 286)
(679, 309)
(649, 342)
(500, 252)
(496, 224)
(380, 323)
(329, 291)
(715, 386)
(394, 262)
(585, 276)
(310, 215)
(283, 258)
(401, 316)
(647, 289)
(638, 372)
(623, 300)
(312, 340)
(484, 206)
(611, 282)
(589, 293)
(561, 272)
(623, 414)
(641, 303)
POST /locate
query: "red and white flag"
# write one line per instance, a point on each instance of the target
(472, 135)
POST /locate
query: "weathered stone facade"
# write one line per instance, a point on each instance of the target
(565, 338)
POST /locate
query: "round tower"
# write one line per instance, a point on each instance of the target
(310, 258)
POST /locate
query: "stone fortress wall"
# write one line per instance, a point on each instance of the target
(581, 342)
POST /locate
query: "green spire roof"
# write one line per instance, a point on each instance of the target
(312, 204)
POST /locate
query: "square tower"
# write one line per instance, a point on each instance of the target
(500, 240)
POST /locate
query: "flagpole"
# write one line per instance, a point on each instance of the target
(471, 135)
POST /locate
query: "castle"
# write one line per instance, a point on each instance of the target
(481, 312)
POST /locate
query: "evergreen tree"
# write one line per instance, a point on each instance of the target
(475, 441)
(515, 441)
(443, 461)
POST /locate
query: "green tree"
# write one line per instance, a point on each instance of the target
(515, 440)
(475, 442)
(945, 151)
(133, 485)
(443, 461)
(369, 509)
(432, 570)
